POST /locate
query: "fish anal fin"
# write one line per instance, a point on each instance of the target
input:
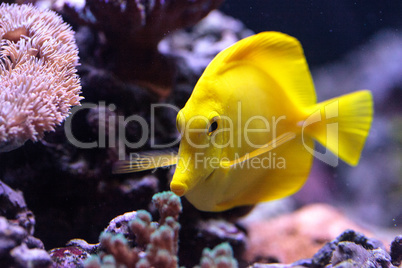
(276, 181)
(262, 150)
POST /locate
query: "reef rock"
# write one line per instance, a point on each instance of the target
(296, 236)
(350, 249)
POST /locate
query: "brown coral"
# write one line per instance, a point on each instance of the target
(157, 243)
(130, 31)
(38, 79)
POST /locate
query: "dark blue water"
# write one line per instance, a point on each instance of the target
(327, 29)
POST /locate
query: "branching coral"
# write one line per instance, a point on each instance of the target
(38, 79)
(156, 244)
(219, 257)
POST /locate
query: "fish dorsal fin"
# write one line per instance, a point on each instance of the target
(146, 161)
(280, 56)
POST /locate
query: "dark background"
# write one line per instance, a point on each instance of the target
(327, 29)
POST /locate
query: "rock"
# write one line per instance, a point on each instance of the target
(296, 236)
(12, 204)
(18, 248)
(396, 250)
(217, 231)
(10, 237)
(210, 36)
(68, 257)
(350, 249)
(25, 257)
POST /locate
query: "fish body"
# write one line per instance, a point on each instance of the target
(248, 129)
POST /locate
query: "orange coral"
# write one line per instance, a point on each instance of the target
(38, 80)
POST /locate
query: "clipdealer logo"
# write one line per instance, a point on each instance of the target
(112, 133)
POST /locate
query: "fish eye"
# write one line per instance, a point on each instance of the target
(212, 127)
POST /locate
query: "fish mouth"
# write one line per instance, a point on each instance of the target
(181, 189)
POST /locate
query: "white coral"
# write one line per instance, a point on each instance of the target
(38, 80)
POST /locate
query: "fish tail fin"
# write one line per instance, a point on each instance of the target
(342, 124)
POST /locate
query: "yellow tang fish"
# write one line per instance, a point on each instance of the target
(248, 129)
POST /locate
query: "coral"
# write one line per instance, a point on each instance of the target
(119, 225)
(157, 243)
(72, 190)
(134, 240)
(129, 32)
(49, 172)
(117, 246)
(162, 250)
(168, 205)
(219, 257)
(143, 228)
(151, 19)
(39, 83)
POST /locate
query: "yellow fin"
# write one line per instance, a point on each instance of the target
(280, 56)
(278, 181)
(350, 118)
(146, 161)
(263, 149)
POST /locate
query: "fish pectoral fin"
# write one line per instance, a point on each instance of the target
(262, 150)
(146, 161)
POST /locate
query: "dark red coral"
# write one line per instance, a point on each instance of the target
(130, 31)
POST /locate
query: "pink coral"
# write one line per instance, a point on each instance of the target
(38, 79)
